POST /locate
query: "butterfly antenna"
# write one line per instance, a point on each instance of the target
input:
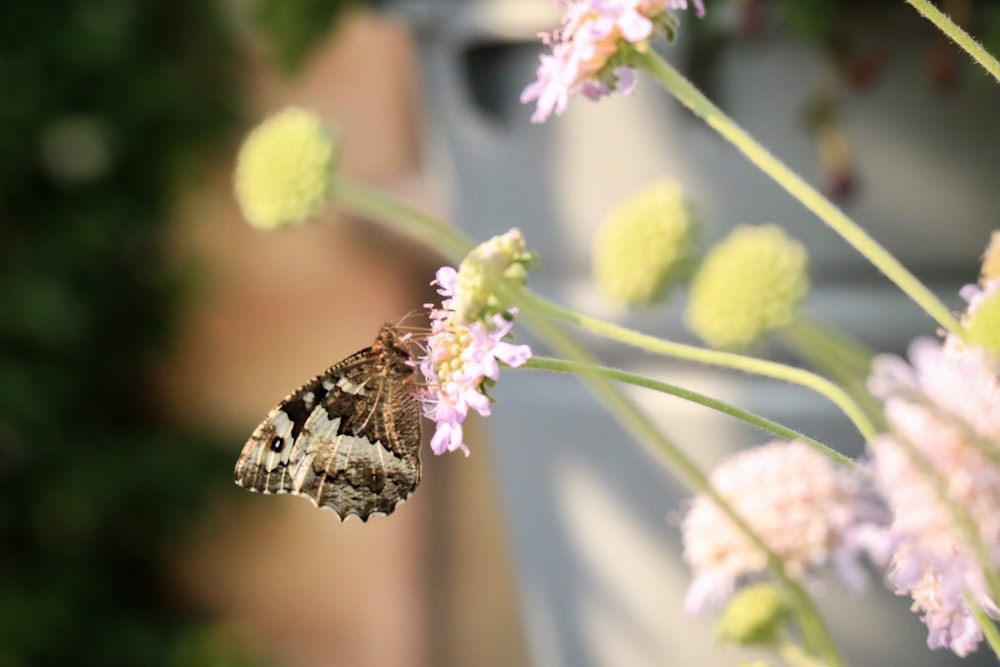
(403, 323)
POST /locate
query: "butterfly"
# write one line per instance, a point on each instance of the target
(349, 439)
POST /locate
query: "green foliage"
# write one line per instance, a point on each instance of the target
(814, 20)
(296, 27)
(107, 105)
(991, 28)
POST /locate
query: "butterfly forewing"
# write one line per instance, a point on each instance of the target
(348, 439)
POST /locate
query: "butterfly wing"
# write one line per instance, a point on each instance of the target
(348, 439)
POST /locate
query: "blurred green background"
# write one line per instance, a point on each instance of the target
(108, 108)
(110, 111)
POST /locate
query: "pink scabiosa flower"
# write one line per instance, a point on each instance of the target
(941, 456)
(468, 336)
(808, 510)
(587, 56)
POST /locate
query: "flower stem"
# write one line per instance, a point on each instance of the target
(702, 355)
(959, 36)
(985, 624)
(365, 201)
(532, 311)
(839, 358)
(764, 424)
(857, 237)
(796, 657)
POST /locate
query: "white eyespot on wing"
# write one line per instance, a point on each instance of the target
(309, 400)
(281, 443)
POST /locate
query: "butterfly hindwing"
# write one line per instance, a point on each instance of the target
(348, 439)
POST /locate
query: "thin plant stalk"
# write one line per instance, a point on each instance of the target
(959, 36)
(796, 186)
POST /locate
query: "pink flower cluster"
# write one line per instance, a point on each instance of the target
(461, 358)
(941, 456)
(584, 49)
(809, 511)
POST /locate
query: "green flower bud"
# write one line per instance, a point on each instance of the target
(641, 244)
(991, 260)
(747, 285)
(982, 324)
(285, 168)
(502, 259)
(753, 617)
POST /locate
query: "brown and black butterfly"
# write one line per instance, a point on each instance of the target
(349, 439)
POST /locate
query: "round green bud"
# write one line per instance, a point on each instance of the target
(753, 617)
(982, 324)
(285, 168)
(749, 284)
(502, 259)
(641, 244)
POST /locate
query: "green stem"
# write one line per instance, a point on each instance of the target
(959, 36)
(713, 358)
(370, 203)
(857, 237)
(532, 312)
(764, 424)
(985, 624)
(849, 357)
(842, 360)
(794, 655)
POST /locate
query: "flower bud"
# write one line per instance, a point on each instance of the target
(982, 322)
(478, 291)
(749, 284)
(641, 245)
(285, 168)
(753, 617)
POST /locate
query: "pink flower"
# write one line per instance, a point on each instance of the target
(804, 507)
(586, 58)
(459, 359)
(462, 357)
(944, 414)
(557, 75)
(699, 6)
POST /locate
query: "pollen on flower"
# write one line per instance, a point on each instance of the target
(949, 619)
(284, 169)
(587, 55)
(944, 432)
(641, 244)
(806, 509)
(749, 284)
(468, 339)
